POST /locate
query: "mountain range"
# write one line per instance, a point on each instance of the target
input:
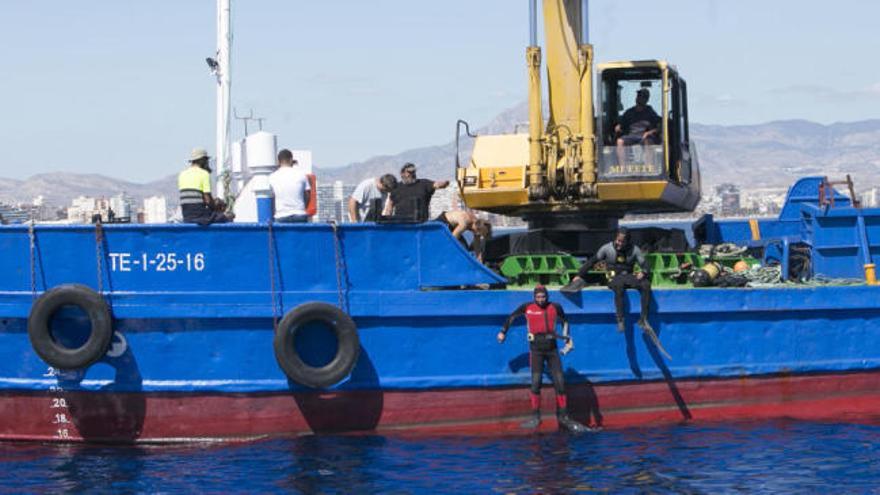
(765, 155)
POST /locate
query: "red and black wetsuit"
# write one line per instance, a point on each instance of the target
(541, 322)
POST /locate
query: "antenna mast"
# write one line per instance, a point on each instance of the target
(224, 84)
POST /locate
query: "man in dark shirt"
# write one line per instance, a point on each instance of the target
(637, 126)
(411, 199)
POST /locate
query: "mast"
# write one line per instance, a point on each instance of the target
(224, 84)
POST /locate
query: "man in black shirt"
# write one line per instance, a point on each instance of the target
(411, 199)
(637, 126)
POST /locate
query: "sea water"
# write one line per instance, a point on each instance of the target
(767, 457)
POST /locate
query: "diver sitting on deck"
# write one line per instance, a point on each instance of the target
(620, 257)
(194, 184)
(541, 317)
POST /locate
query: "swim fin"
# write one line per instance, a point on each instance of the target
(649, 331)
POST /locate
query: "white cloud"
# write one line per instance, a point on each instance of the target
(829, 93)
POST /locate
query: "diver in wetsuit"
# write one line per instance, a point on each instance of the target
(541, 317)
(620, 257)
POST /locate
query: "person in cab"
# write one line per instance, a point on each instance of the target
(638, 125)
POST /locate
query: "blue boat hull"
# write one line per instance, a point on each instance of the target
(194, 311)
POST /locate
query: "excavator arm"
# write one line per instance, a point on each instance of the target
(565, 166)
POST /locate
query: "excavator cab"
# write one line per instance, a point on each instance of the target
(645, 141)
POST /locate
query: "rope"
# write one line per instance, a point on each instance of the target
(228, 196)
(32, 237)
(763, 276)
(99, 239)
(819, 280)
(339, 265)
(272, 276)
(727, 249)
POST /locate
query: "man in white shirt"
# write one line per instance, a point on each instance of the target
(362, 203)
(291, 188)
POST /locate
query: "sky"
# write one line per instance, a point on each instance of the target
(121, 88)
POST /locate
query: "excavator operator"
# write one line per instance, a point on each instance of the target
(637, 126)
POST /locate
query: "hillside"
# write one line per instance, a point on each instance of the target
(773, 154)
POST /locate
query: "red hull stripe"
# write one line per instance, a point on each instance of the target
(155, 417)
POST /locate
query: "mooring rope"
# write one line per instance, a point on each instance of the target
(99, 239)
(272, 276)
(340, 265)
(727, 249)
(32, 237)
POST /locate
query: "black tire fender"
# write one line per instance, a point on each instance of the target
(347, 351)
(51, 351)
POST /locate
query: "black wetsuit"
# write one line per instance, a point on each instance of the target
(620, 265)
(541, 322)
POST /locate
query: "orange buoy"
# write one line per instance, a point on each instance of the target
(740, 266)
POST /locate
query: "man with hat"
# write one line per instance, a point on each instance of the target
(637, 126)
(194, 184)
(411, 199)
(541, 317)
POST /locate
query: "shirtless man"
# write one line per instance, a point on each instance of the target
(460, 221)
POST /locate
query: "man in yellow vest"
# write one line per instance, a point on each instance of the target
(196, 203)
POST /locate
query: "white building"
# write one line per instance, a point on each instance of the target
(445, 200)
(870, 198)
(333, 202)
(155, 210)
(83, 208)
(121, 204)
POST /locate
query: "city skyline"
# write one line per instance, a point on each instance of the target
(723, 200)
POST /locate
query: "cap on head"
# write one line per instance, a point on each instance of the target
(197, 154)
(408, 167)
(540, 289)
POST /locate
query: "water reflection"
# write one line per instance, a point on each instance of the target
(748, 457)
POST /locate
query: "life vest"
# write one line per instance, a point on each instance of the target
(541, 320)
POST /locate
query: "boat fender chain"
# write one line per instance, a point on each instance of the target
(99, 267)
(32, 238)
(340, 265)
(272, 276)
(99, 235)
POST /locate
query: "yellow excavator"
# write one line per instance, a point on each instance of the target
(579, 167)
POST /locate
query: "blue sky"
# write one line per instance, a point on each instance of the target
(121, 88)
